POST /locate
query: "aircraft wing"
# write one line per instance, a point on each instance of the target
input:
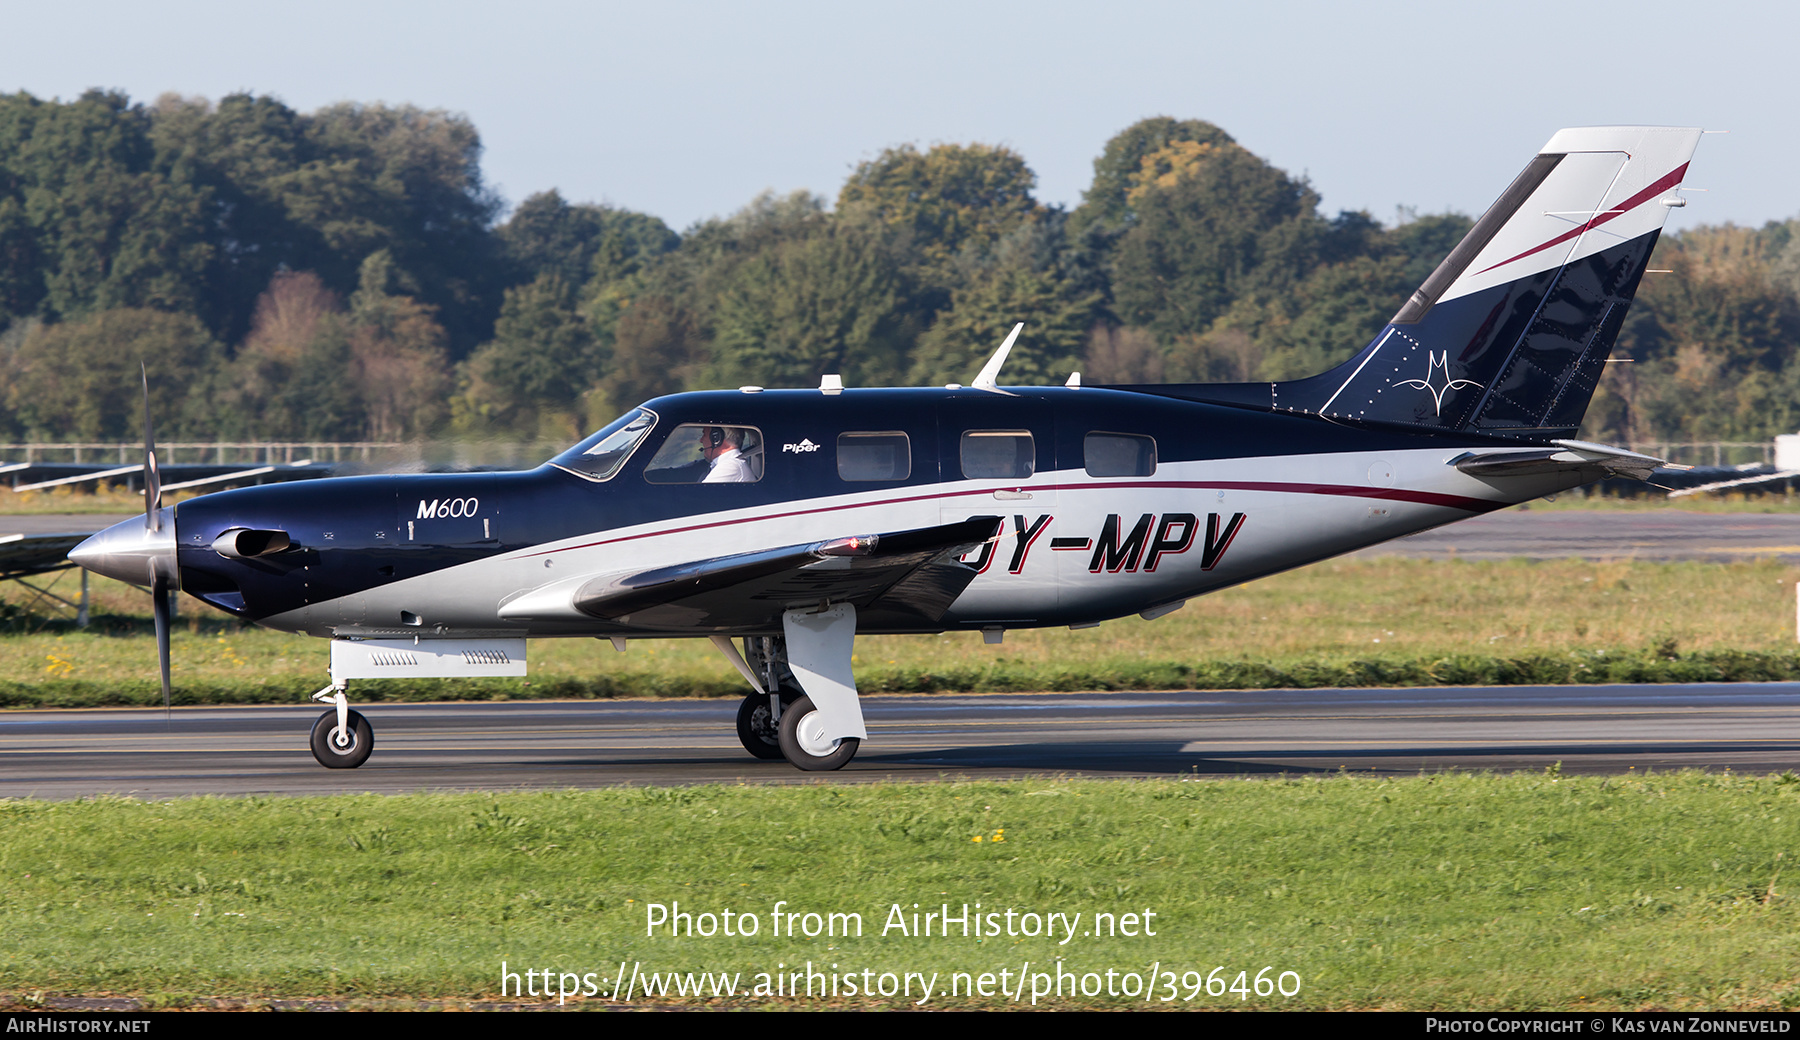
(910, 577)
(22, 555)
(1721, 485)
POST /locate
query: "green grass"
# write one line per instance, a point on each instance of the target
(1343, 623)
(1448, 891)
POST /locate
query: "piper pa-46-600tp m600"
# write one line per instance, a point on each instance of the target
(793, 520)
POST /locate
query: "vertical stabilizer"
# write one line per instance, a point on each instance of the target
(1510, 334)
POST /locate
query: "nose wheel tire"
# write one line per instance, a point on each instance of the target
(756, 726)
(336, 749)
(803, 740)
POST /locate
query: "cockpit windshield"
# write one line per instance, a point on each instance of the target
(600, 456)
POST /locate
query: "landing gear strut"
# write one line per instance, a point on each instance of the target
(759, 717)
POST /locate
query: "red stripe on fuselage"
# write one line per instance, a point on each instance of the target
(1668, 181)
(1430, 498)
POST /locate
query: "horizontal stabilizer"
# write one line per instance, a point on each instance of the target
(1599, 460)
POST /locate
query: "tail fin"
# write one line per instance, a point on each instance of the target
(1509, 335)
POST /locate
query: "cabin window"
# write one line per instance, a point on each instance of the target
(1006, 454)
(600, 456)
(1119, 455)
(708, 453)
(885, 455)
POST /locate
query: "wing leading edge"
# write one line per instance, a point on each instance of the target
(902, 578)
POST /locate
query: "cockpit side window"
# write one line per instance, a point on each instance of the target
(708, 453)
(600, 456)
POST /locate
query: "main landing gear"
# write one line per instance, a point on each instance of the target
(758, 722)
(341, 738)
(781, 719)
(794, 731)
(804, 743)
(759, 716)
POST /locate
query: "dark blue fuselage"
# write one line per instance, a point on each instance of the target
(353, 534)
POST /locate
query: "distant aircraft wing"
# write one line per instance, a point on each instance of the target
(1721, 485)
(22, 555)
(910, 577)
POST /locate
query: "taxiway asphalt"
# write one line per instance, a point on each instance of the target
(1663, 534)
(538, 745)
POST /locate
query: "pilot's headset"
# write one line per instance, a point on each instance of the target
(715, 436)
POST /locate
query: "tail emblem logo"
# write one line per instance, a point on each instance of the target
(1433, 362)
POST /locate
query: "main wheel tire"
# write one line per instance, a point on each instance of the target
(331, 752)
(756, 726)
(803, 741)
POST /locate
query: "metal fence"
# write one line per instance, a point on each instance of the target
(268, 453)
(374, 455)
(1712, 453)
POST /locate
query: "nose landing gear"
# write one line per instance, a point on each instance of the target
(341, 738)
(339, 747)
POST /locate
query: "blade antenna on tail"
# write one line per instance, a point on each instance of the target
(159, 581)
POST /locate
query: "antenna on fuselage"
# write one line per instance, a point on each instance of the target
(984, 380)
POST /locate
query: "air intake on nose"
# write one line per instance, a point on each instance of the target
(245, 543)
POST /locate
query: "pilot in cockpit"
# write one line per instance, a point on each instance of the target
(724, 447)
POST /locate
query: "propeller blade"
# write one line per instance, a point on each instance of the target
(152, 476)
(159, 599)
(159, 580)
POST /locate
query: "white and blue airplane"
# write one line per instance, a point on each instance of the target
(793, 520)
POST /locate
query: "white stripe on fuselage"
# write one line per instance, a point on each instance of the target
(1297, 509)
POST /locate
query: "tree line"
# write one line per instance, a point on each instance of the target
(343, 274)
